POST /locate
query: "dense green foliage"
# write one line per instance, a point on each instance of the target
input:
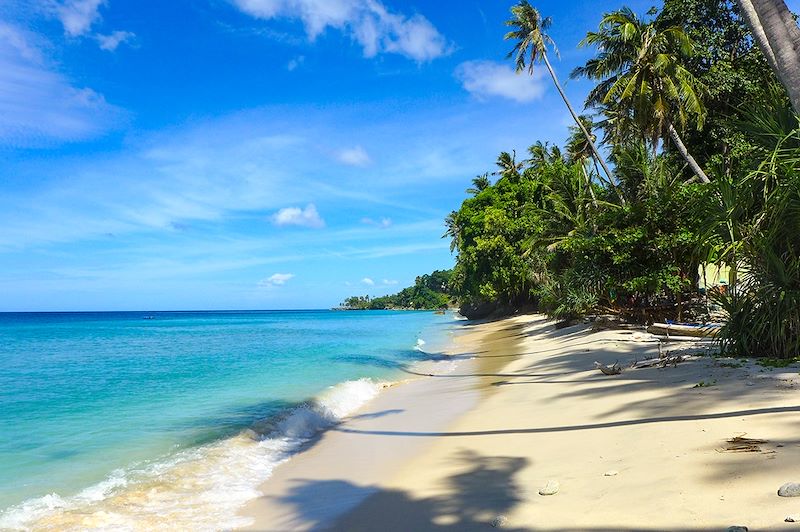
(430, 291)
(682, 94)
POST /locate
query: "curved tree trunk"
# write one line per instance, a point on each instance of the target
(775, 21)
(583, 129)
(676, 139)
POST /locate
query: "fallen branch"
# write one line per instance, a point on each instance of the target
(660, 362)
(614, 369)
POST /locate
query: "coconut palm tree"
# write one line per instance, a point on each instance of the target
(775, 30)
(579, 150)
(531, 46)
(479, 184)
(641, 75)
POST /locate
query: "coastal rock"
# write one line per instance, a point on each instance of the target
(737, 528)
(500, 521)
(550, 489)
(794, 518)
(611, 473)
(790, 489)
(477, 310)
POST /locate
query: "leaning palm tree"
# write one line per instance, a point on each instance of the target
(641, 74)
(531, 47)
(775, 30)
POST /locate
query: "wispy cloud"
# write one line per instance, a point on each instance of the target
(484, 79)
(389, 282)
(40, 105)
(367, 22)
(383, 223)
(295, 62)
(355, 156)
(367, 281)
(111, 41)
(276, 279)
(308, 217)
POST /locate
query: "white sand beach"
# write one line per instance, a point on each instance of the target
(644, 450)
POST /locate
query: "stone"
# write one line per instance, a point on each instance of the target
(794, 518)
(611, 473)
(500, 521)
(737, 528)
(550, 489)
(790, 489)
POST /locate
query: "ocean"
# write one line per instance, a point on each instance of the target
(171, 420)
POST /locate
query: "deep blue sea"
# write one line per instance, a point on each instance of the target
(144, 420)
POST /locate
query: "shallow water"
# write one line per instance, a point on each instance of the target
(152, 420)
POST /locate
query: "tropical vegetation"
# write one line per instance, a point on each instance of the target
(694, 108)
(430, 292)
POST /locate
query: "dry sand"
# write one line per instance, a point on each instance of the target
(643, 450)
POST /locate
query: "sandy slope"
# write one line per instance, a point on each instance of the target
(534, 409)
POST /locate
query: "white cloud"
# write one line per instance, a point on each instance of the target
(308, 217)
(77, 16)
(367, 22)
(367, 281)
(276, 279)
(484, 79)
(295, 62)
(356, 156)
(383, 223)
(111, 41)
(39, 104)
(389, 282)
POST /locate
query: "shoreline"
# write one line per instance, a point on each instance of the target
(419, 400)
(645, 450)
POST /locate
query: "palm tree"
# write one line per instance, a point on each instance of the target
(641, 75)
(453, 231)
(531, 47)
(579, 150)
(479, 184)
(775, 30)
(508, 165)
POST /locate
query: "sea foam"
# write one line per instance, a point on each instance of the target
(198, 489)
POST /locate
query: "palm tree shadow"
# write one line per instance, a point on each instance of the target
(469, 500)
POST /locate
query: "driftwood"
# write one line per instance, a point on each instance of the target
(668, 329)
(614, 369)
(740, 444)
(661, 362)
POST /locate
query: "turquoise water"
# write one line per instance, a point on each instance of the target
(93, 406)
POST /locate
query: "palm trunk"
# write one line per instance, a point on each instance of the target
(750, 17)
(775, 21)
(583, 129)
(676, 139)
(589, 185)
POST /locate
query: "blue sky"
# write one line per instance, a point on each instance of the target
(252, 154)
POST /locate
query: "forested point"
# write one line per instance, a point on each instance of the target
(430, 292)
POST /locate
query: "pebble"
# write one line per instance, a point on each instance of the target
(500, 521)
(790, 489)
(794, 518)
(737, 528)
(612, 473)
(550, 489)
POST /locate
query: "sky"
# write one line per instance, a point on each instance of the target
(254, 154)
